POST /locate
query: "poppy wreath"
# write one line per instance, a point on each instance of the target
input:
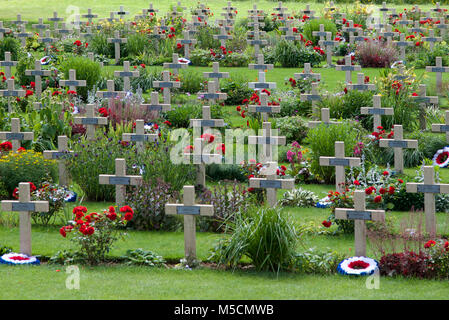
(357, 266)
(18, 259)
(441, 157)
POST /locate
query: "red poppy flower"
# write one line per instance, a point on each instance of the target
(326, 224)
(429, 244)
(377, 199)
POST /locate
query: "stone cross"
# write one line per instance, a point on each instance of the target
(40, 25)
(289, 34)
(166, 85)
(267, 140)
(264, 108)
(139, 137)
(11, 91)
(398, 143)
(443, 27)
(89, 16)
(223, 36)
(19, 22)
(38, 73)
(261, 84)
(55, 19)
(126, 74)
(175, 64)
(212, 95)
(438, 69)
(206, 122)
(340, 162)
(200, 159)
(47, 40)
(404, 22)
(402, 44)
(416, 28)
(308, 12)
(377, 111)
(314, 96)
(63, 31)
(90, 121)
(442, 127)
(429, 188)
(151, 9)
(111, 18)
(348, 68)
(307, 73)
(389, 34)
(177, 10)
(187, 42)
(120, 180)
(7, 64)
(361, 85)
(110, 93)
(15, 136)
(329, 45)
(72, 83)
(423, 99)
(121, 13)
(359, 214)
(216, 75)
(384, 11)
(25, 206)
(256, 41)
(23, 35)
(321, 33)
(189, 210)
(260, 65)
(325, 119)
(117, 41)
(154, 104)
(351, 30)
(3, 30)
(400, 75)
(431, 39)
(282, 11)
(271, 183)
(61, 154)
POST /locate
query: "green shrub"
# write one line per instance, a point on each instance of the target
(26, 166)
(10, 44)
(428, 144)
(318, 262)
(179, 116)
(321, 140)
(85, 70)
(291, 55)
(142, 257)
(200, 57)
(424, 58)
(299, 198)
(136, 44)
(314, 25)
(293, 128)
(24, 63)
(99, 45)
(236, 87)
(219, 172)
(236, 59)
(205, 38)
(191, 80)
(265, 235)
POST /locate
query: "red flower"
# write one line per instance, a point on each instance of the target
(238, 108)
(6, 146)
(385, 173)
(391, 190)
(358, 264)
(142, 65)
(128, 212)
(90, 230)
(103, 111)
(400, 181)
(221, 148)
(377, 199)
(77, 43)
(368, 191)
(429, 244)
(414, 94)
(56, 93)
(168, 123)
(382, 191)
(326, 224)
(356, 182)
(62, 232)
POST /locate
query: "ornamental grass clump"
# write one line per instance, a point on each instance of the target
(95, 233)
(266, 236)
(376, 54)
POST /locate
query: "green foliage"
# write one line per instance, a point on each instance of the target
(26, 166)
(136, 44)
(217, 172)
(293, 128)
(85, 70)
(265, 235)
(317, 262)
(299, 198)
(428, 144)
(143, 257)
(236, 59)
(314, 25)
(236, 87)
(321, 140)
(191, 80)
(5, 250)
(200, 57)
(424, 58)
(4, 194)
(10, 44)
(25, 63)
(99, 45)
(93, 158)
(205, 38)
(291, 55)
(180, 115)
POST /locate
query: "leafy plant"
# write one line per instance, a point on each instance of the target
(317, 262)
(376, 54)
(314, 25)
(299, 198)
(143, 257)
(293, 128)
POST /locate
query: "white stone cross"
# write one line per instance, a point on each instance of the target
(416, 28)
(19, 22)
(38, 73)
(40, 25)
(90, 121)
(155, 105)
(212, 95)
(423, 99)
(89, 16)
(307, 73)
(223, 36)
(377, 111)
(64, 31)
(216, 75)
(25, 207)
(442, 127)
(117, 41)
(340, 162)
(47, 40)
(384, 11)
(72, 83)
(121, 13)
(61, 154)
(431, 39)
(120, 180)
(313, 96)
(261, 84)
(361, 85)
(11, 91)
(189, 210)
(429, 188)
(348, 68)
(175, 64)
(55, 19)
(206, 122)
(139, 137)
(271, 183)
(402, 44)
(438, 69)
(110, 93)
(360, 215)
(389, 34)
(268, 141)
(325, 119)
(321, 33)
(15, 136)
(264, 108)
(398, 143)
(260, 65)
(256, 41)
(3, 30)
(289, 34)
(126, 74)
(166, 85)
(351, 30)
(23, 35)
(403, 21)
(7, 64)
(187, 42)
(328, 44)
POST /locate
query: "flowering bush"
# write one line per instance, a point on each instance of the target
(55, 195)
(407, 264)
(299, 165)
(438, 252)
(95, 233)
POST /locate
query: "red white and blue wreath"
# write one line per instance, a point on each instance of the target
(18, 259)
(441, 157)
(357, 266)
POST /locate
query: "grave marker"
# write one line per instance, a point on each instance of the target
(72, 83)
(438, 69)
(11, 91)
(423, 99)
(139, 137)
(126, 74)
(7, 64)
(325, 119)
(216, 75)
(61, 155)
(267, 140)
(264, 108)
(348, 68)
(117, 41)
(361, 85)
(377, 111)
(442, 127)
(166, 85)
(38, 73)
(15, 135)
(329, 45)
(90, 121)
